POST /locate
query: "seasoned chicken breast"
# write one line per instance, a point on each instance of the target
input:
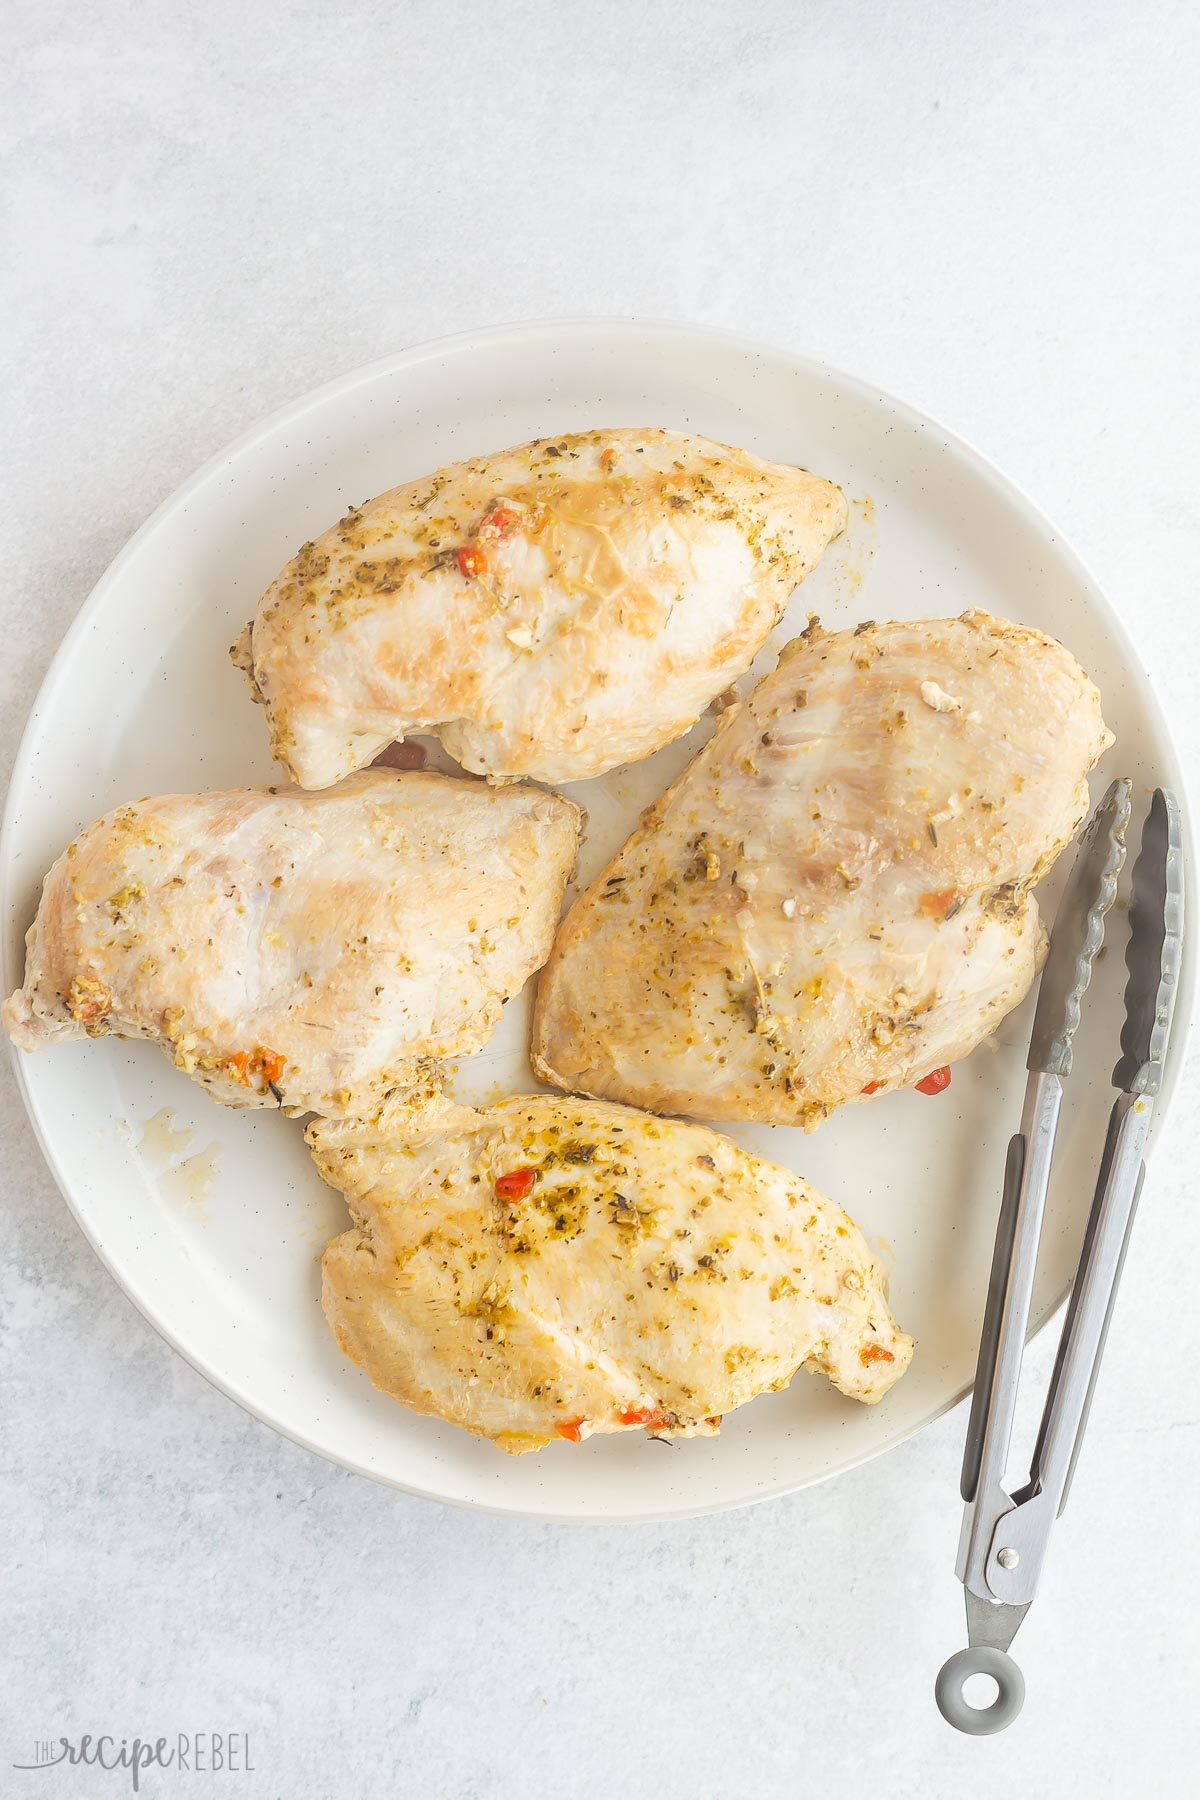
(550, 611)
(301, 950)
(833, 900)
(557, 1267)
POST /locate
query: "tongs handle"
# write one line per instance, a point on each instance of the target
(1118, 1189)
(1014, 1579)
(1010, 1294)
(989, 1340)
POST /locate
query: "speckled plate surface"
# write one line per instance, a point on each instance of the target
(213, 1221)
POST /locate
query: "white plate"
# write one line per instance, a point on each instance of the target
(216, 1236)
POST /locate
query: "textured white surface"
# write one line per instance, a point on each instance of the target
(212, 208)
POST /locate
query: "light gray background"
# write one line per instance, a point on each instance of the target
(209, 209)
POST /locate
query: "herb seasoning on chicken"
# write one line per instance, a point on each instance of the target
(553, 1267)
(550, 611)
(303, 950)
(834, 898)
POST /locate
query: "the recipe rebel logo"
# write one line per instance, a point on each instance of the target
(186, 1753)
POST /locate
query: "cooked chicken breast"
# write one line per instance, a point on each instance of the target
(549, 612)
(833, 900)
(301, 950)
(557, 1267)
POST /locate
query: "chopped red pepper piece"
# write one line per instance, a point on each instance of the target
(471, 560)
(401, 756)
(607, 459)
(502, 521)
(872, 1353)
(516, 1185)
(256, 1068)
(872, 1087)
(935, 1083)
(570, 1429)
(654, 1418)
(940, 905)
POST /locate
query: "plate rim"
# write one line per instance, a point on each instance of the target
(433, 349)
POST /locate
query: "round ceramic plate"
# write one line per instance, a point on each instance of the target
(213, 1221)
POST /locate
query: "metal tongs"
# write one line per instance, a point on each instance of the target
(1004, 1535)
